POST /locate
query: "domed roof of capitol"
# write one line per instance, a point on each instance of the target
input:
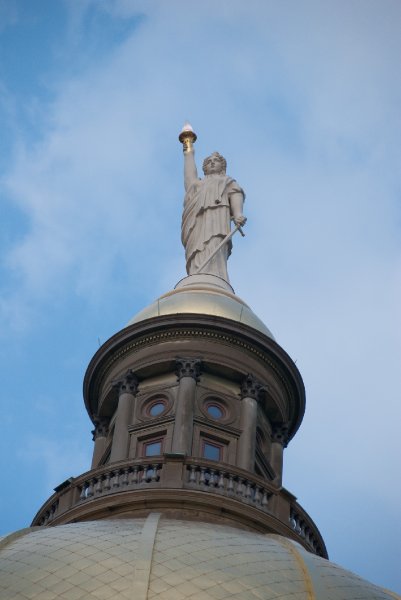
(203, 294)
(161, 558)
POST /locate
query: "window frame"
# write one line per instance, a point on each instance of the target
(215, 444)
(146, 405)
(220, 406)
(154, 402)
(148, 442)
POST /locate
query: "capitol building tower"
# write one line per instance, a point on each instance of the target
(193, 403)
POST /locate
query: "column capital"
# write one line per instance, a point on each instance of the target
(101, 428)
(280, 433)
(188, 367)
(128, 384)
(251, 388)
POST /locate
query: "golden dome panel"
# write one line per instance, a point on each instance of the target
(206, 295)
(164, 559)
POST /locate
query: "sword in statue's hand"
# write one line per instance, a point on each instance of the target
(224, 241)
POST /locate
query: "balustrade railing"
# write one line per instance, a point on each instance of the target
(49, 513)
(302, 524)
(228, 483)
(108, 480)
(193, 474)
(119, 478)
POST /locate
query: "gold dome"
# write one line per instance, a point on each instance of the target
(203, 294)
(163, 559)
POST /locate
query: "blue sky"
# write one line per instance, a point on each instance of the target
(303, 99)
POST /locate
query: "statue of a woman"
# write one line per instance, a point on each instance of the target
(209, 206)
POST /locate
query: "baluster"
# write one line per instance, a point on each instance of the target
(230, 486)
(125, 477)
(89, 491)
(202, 476)
(240, 490)
(211, 478)
(265, 499)
(106, 484)
(220, 484)
(192, 474)
(82, 495)
(248, 491)
(134, 478)
(154, 473)
(293, 522)
(98, 486)
(256, 497)
(144, 474)
(116, 479)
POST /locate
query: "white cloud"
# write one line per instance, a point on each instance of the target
(88, 185)
(303, 99)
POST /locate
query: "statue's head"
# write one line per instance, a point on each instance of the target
(215, 163)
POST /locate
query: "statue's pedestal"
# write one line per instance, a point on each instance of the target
(204, 281)
(203, 294)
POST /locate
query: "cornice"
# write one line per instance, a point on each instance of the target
(159, 330)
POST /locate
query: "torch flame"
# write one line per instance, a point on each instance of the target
(187, 127)
(187, 136)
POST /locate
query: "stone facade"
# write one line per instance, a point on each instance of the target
(187, 409)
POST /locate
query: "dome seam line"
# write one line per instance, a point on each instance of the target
(302, 565)
(144, 557)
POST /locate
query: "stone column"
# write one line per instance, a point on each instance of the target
(250, 394)
(187, 370)
(99, 437)
(279, 442)
(127, 387)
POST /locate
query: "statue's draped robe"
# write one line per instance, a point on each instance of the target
(206, 222)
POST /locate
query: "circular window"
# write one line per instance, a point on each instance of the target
(215, 411)
(156, 408)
